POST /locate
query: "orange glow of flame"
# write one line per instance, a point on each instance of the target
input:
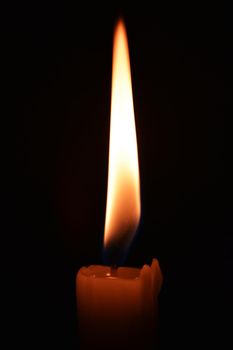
(123, 194)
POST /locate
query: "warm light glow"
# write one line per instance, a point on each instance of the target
(123, 195)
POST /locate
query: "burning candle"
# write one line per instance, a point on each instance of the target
(117, 307)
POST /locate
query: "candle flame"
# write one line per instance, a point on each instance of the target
(123, 194)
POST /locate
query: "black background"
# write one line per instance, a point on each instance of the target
(56, 109)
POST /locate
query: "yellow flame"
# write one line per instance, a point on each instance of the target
(123, 195)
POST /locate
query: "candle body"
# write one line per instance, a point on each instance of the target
(120, 310)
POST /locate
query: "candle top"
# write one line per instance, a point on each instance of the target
(149, 278)
(98, 271)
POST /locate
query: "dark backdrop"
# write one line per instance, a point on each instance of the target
(56, 107)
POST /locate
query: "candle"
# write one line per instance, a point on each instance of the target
(117, 307)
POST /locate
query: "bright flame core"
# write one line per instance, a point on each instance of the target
(123, 195)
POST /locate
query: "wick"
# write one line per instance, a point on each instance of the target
(113, 270)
